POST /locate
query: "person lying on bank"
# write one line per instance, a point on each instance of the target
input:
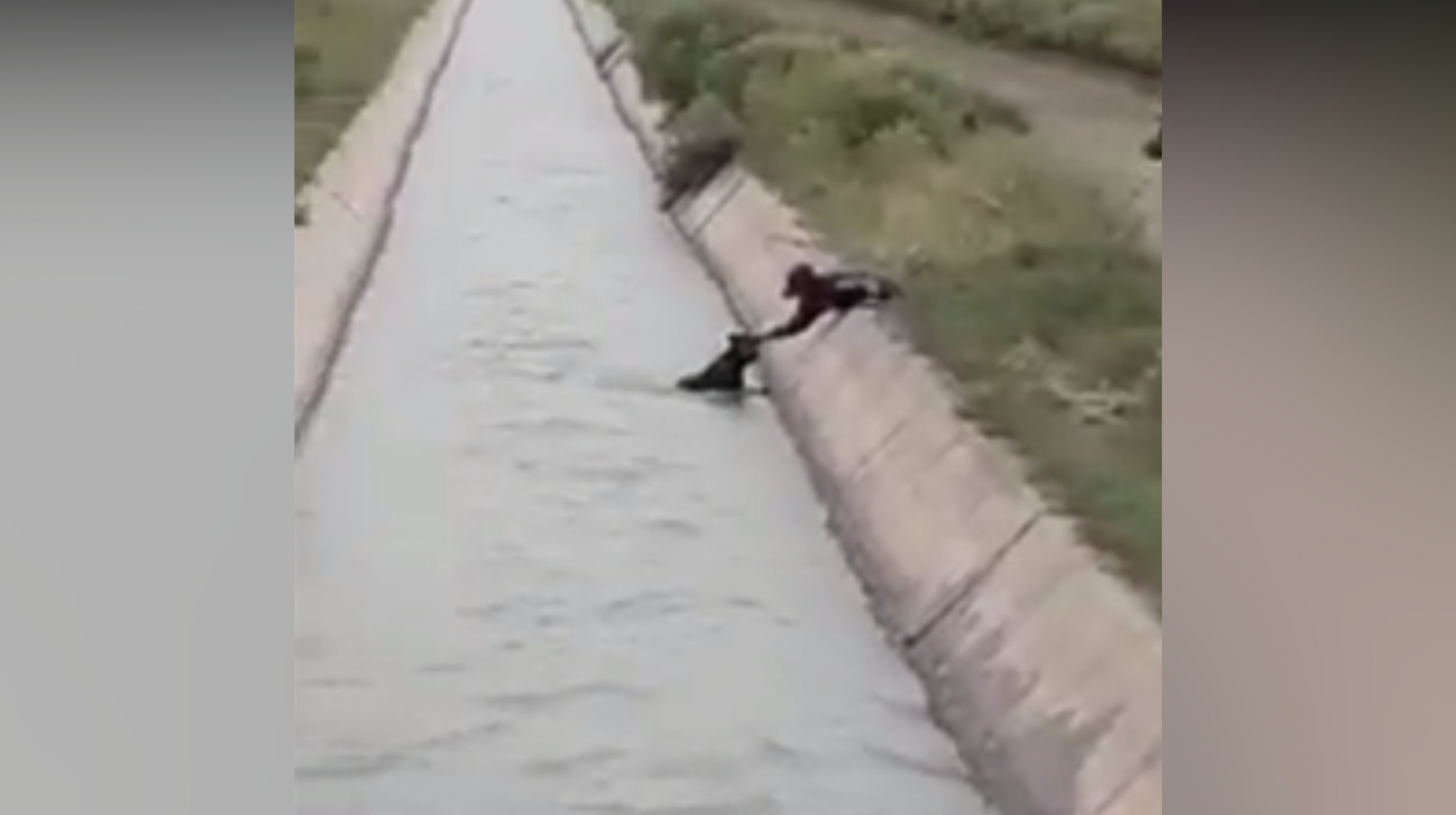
(819, 293)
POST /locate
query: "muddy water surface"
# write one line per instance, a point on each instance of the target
(532, 581)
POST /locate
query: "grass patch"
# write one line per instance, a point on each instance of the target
(705, 138)
(1020, 279)
(1057, 346)
(1125, 33)
(341, 51)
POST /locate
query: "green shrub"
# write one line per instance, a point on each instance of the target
(305, 68)
(858, 95)
(305, 55)
(1058, 348)
(785, 83)
(727, 72)
(705, 137)
(674, 40)
(1096, 307)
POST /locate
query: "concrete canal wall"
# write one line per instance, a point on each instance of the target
(349, 202)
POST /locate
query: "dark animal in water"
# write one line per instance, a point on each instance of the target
(725, 374)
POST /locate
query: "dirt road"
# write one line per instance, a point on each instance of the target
(1096, 120)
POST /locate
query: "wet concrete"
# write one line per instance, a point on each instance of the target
(530, 580)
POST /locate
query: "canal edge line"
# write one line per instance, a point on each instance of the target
(1044, 668)
(350, 203)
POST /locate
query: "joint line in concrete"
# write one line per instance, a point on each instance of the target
(737, 185)
(968, 585)
(348, 207)
(883, 444)
(615, 53)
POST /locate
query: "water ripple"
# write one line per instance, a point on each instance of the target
(551, 700)
(571, 764)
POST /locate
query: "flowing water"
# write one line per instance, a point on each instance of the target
(530, 579)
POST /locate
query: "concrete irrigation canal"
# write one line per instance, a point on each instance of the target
(530, 579)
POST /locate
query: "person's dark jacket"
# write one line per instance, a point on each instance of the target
(819, 293)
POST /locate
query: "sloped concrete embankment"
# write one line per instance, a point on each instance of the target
(350, 199)
(1045, 669)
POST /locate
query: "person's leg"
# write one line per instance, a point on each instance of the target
(849, 298)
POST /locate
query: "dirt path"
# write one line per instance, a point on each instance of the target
(1096, 120)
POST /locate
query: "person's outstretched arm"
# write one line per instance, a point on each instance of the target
(809, 310)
